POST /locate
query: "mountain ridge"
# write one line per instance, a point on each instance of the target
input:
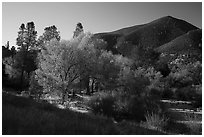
(150, 35)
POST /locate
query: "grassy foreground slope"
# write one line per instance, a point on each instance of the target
(25, 116)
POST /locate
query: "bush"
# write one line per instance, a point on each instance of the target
(139, 106)
(136, 107)
(102, 103)
(121, 106)
(168, 93)
(186, 93)
(156, 121)
(183, 77)
(139, 92)
(195, 128)
(198, 97)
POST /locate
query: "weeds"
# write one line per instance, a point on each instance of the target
(193, 123)
(156, 121)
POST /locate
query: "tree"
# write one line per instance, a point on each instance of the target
(35, 89)
(6, 52)
(88, 57)
(100, 67)
(59, 67)
(63, 64)
(13, 51)
(78, 30)
(26, 41)
(51, 32)
(7, 45)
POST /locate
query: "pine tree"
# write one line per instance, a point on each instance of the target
(51, 32)
(26, 41)
(78, 30)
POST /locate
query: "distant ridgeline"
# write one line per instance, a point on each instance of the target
(165, 35)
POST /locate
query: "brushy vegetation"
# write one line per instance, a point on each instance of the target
(193, 124)
(102, 103)
(122, 107)
(137, 95)
(26, 117)
(156, 121)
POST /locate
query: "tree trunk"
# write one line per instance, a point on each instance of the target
(22, 71)
(63, 98)
(87, 87)
(92, 86)
(96, 86)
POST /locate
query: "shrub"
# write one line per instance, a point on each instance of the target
(136, 107)
(121, 106)
(139, 92)
(193, 125)
(156, 121)
(198, 97)
(186, 93)
(167, 93)
(102, 103)
(156, 93)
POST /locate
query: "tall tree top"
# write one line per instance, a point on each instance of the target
(79, 25)
(49, 33)
(30, 25)
(78, 30)
(22, 27)
(27, 36)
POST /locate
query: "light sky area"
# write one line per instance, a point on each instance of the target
(95, 17)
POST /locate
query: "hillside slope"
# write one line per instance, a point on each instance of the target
(189, 41)
(150, 35)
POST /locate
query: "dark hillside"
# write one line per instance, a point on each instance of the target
(111, 40)
(191, 40)
(150, 35)
(125, 31)
(155, 34)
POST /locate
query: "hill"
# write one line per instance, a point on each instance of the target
(189, 41)
(150, 35)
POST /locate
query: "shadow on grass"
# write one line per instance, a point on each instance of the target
(25, 116)
(176, 128)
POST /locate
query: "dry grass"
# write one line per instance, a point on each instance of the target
(156, 121)
(193, 123)
(23, 116)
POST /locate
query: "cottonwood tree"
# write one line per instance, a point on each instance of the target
(96, 65)
(63, 64)
(109, 67)
(88, 56)
(60, 66)
(100, 67)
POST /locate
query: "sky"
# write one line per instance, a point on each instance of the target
(95, 17)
